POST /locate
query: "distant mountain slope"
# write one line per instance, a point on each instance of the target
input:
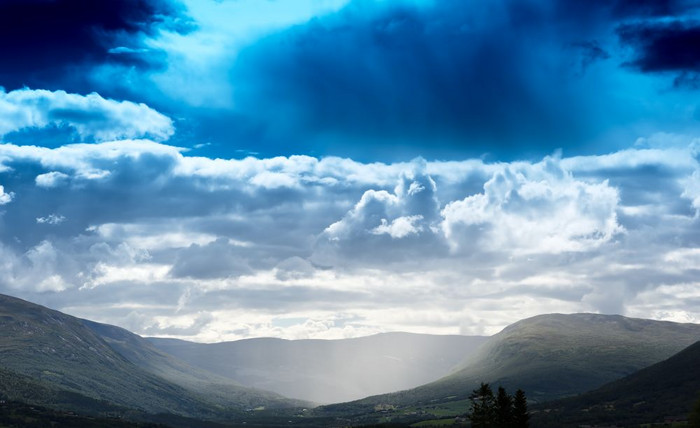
(217, 389)
(329, 370)
(665, 389)
(551, 356)
(49, 356)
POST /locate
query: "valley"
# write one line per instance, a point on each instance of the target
(575, 369)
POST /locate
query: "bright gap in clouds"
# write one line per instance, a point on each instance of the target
(144, 235)
(198, 63)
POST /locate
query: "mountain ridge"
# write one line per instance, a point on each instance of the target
(47, 357)
(328, 370)
(548, 356)
(42, 350)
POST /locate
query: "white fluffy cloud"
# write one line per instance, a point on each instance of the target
(5, 198)
(51, 179)
(534, 208)
(91, 116)
(141, 234)
(385, 222)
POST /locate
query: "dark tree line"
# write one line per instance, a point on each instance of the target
(499, 411)
(694, 418)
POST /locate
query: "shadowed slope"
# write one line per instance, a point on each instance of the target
(665, 389)
(48, 354)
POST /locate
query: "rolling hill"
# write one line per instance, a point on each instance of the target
(216, 389)
(329, 370)
(665, 389)
(550, 357)
(54, 359)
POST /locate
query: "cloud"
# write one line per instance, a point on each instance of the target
(5, 198)
(42, 42)
(385, 223)
(294, 268)
(51, 219)
(215, 260)
(466, 77)
(42, 268)
(91, 116)
(533, 209)
(396, 72)
(51, 179)
(148, 236)
(590, 53)
(372, 80)
(399, 227)
(665, 47)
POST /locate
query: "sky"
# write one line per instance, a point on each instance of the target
(223, 169)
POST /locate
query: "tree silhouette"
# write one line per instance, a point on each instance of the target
(501, 411)
(483, 407)
(521, 419)
(504, 409)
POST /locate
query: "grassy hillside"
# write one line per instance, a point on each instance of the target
(216, 389)
(329, 370)
(549, 356)
(20, 415)
(20, 388)
(665, 389)
(55, 359)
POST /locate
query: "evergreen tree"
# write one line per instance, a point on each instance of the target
(501, 411)
(483, 403)
(521, 418)
(504, 409)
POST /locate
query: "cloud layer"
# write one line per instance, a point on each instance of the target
(92, 117)
(143, 235)
(505, 77)
(390, 80)
(403, 166)
(48, 43)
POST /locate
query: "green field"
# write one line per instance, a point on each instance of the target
(435, 423)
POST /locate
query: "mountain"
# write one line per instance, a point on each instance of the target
(216, 389)
(636, 371)
(556, 355)
(329, 370)
(665, 389)
(54, 359)
(549, 357)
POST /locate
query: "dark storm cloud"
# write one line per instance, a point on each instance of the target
(664, 47)
(376, 80)
(42, 41)
(589, 53)
(395, 72)
(498, 77)
(621, 9)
